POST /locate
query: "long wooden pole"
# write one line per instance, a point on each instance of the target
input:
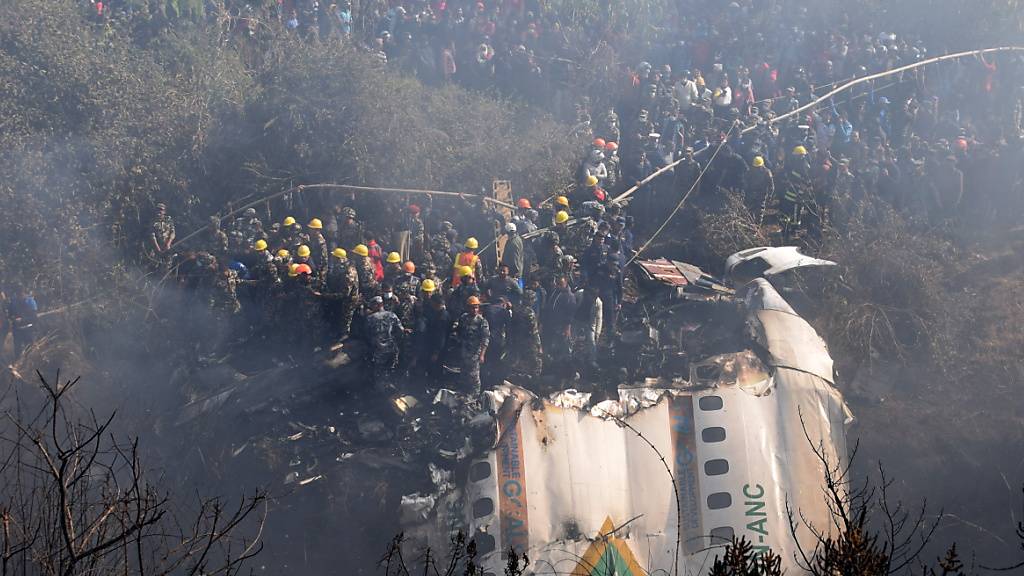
(303, 187)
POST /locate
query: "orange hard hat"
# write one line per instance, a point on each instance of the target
(409, 267)
(472, 301)
(611, 147)
(303, 269)
(524, 203)
(599, 143)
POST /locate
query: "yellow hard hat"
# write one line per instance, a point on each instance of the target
(303, 251)
(362, 250)
(465, 271)
(282, 253)
(562, 217)
(293, 269)
(339, 253)
(428, 286)
(260, 245)
(590, 181)
(316, 224)
(394, 258)
(758, 162)
(289, 221)
(471, 243)
(562, 201)
(800, 151)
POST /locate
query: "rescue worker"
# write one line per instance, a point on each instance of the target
(287, 235)
(319, 242)
(441, 247)
(432, 328)
(162, 233)
(407, 282)
(263, 282)
(341, 294)
(368, 284)
(524, 347)
(217, 240)
(473, 336)
(467, 287)
(225, 307)
(383, 331)
(350, 231)
(795, 193)
(758, 188)
(498, 314)
(514, 254)
(248, 226)
(467, 258)
(392, 267)
(556, 320)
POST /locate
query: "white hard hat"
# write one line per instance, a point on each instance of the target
(510, 227)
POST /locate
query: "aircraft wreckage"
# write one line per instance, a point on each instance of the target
(727, 423)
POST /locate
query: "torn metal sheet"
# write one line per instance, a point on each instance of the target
(682, 276)
(559, 477)
(788, 338)
(767, 261)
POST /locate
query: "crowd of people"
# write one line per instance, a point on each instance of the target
(427, 300)
(421, 280)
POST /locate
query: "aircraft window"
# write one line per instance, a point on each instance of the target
(479, 471)
(709, 403)
(710, 435)
(719, 500)
(485, 544)
(716, 467)
(722, 535)
(483, 507)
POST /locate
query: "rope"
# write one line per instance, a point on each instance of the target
(682, 201)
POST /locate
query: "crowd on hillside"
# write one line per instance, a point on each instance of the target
(419, 279)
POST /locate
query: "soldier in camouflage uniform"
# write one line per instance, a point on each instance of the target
(473, 335)
(318, 243)
(248, 226)
(407, 282)
(261, 286)
(524, 338)
(340, 294)
(350, 230)
(217, 241)
(224, 307)
(368, 285)
(441, 247)
(384, 331)
(161, 234)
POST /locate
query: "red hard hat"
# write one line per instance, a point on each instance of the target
(414, 209)
(599, 194)
(599, 143)
(524, 203)
(303, 269)
(611, 147)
